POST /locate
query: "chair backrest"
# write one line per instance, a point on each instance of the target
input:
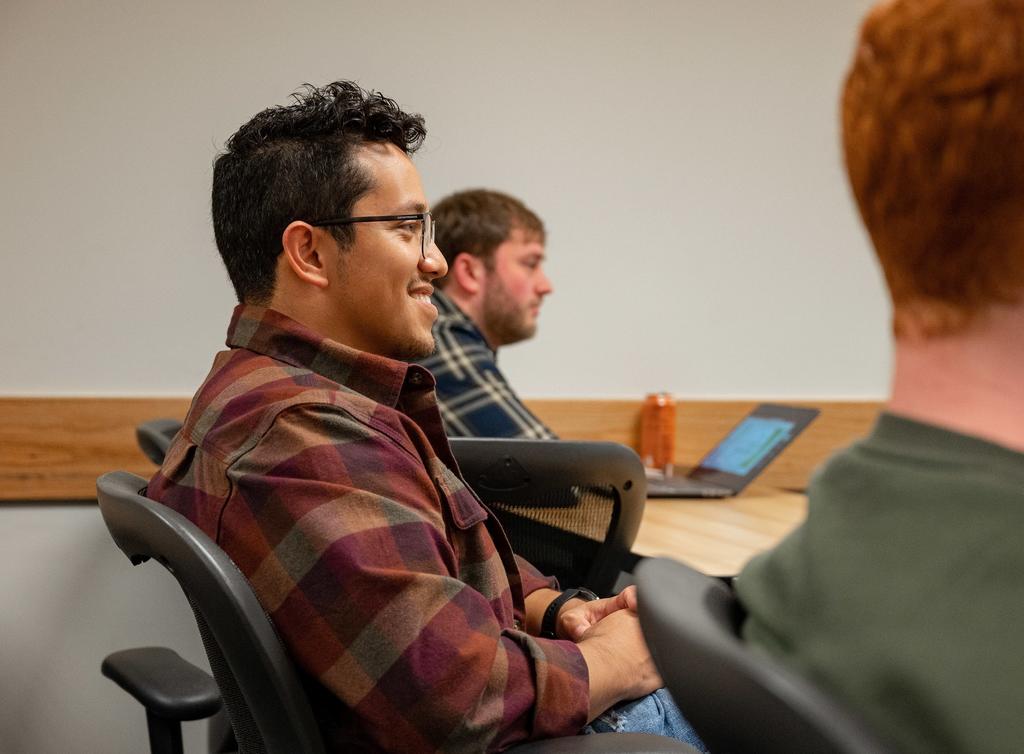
(266, 702)
(571, 508)
(737, 698)
(155, 437)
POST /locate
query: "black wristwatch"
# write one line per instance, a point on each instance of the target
(549, 621)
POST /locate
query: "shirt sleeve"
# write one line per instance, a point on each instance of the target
(474, 396)
(341, 531)
(533, 579)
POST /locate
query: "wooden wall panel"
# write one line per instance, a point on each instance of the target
(54, 448)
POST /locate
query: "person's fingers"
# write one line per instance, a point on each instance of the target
(628, 597)
(575, 623)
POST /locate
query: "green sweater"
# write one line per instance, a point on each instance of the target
(903, 592)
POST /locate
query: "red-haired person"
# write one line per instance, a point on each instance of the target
(903, 593)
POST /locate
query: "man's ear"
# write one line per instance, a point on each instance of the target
(303, 248)
(468, 272)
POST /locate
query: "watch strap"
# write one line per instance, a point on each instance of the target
(548, 623)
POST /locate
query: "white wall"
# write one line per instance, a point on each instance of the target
(684, 154)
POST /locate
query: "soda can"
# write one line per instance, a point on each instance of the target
(658, 432)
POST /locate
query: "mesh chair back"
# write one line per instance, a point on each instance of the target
(571, 508)
(737, 698)
(265, 700)
(155, 437)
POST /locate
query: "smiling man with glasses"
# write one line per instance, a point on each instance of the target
(316, 458)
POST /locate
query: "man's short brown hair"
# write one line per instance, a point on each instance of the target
(478, 221)
(933, 130)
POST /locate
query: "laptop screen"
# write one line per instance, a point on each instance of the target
(748, 444)
(752, 444)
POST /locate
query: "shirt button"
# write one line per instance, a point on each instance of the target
(415, 378)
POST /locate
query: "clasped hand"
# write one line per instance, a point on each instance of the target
(577, 616)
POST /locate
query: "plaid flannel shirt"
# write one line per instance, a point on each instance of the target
(325, 474)
(475, 398)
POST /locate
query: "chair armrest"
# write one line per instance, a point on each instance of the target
(164, 683)
(606, 743)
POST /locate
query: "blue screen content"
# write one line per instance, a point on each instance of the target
(748, 444)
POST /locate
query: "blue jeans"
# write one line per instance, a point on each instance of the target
(655, 713)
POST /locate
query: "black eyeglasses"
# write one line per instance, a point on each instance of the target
(426, 225)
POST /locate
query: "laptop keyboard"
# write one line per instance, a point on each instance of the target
(681, 486)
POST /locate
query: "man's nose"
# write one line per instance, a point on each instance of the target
(434, 262)
(543, 286)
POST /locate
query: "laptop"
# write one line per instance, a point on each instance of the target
(739, 457)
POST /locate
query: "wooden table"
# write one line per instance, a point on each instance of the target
(719, 536)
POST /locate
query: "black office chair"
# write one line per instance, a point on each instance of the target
(260, 687)
(571, 508)
(737, 698)
(155, 437)
(265, 701)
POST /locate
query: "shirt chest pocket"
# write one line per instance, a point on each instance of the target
(465, 509)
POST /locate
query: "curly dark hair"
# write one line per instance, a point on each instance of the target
(297, 162)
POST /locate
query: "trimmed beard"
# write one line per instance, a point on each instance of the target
(504, 320)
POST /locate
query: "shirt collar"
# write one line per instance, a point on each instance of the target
(270, 333)
(902, 435)
(448, 313)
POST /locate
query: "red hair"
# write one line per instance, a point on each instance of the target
(933, 131)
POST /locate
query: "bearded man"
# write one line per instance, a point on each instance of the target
(491, 297)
